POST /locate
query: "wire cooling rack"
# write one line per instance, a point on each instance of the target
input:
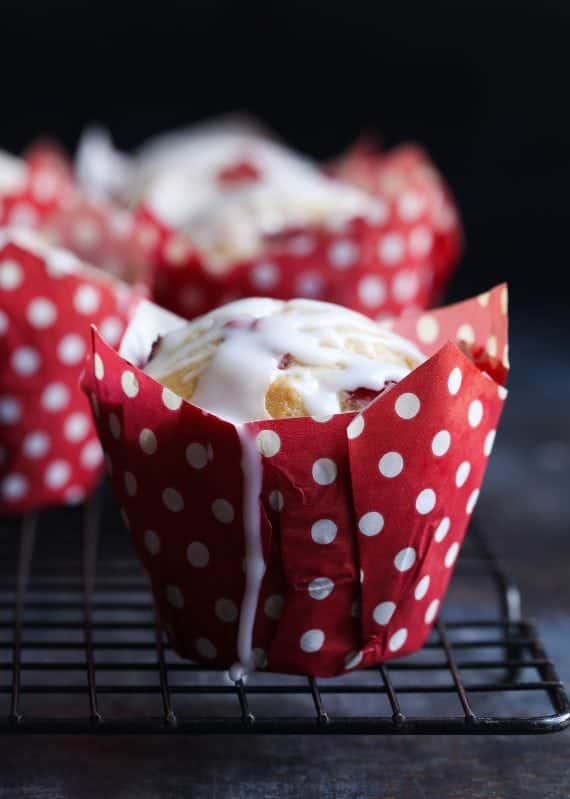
(81, 651)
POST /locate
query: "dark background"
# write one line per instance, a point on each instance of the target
(484, 85)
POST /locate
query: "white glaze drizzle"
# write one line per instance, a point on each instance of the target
(252, 476)
(246, 340)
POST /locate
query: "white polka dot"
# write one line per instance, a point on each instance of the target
(472, 501)
(324, 531)
(309, 284)
(352, 660)
(98, 367)
(175, 596)
(361, 575)
(475, 413)
(371, 291)
(14, 487)
(55, 397)
(10, 410)
(76, 427)
(355, 427)
(483, 299)
(407, 405)
(425, 501)
(440, 443)
(391, 464)
(57, 474)
(206, 648)
(454, 380)
(25, 361)
(197, 455)
(312, 641)
(343, 254)
(114, 425)
(451, 555)
(151, 542)
(223, 511)
(11, 275)
(273, 606)
(322, 418)
(371, 523)
(405, 559)
(398, 640)
(36, 445)
(129, 383)
(405, 286)
(462, 474)
(324, 471)
(171, 400)
(86, 299)
(60, 263)
(420, 241)
(422, 587)
(268, 443)
(466, 333)
(41, 313)
(502, 392)
(4, 322)
(198, 555)
(383, 612)
(264, 275)
(71, 349)
(442, 529)
(427, 328)
(431, 611)
(172, 500)
(492, 346)
(391, 248)
(130, 484)
(411, 206)
(320, 588)
(226, 610)
(276, 500)
(91, 454)
(147, 441)
(489, 441)
(506, 356)
(111, 329)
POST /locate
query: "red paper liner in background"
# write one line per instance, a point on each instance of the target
(407, 176)
(49, 450)
(98, 230)
(362, 515)
(399, 262)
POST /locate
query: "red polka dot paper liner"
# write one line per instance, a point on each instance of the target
(399, 261)
(97, 230)
(49, 450)
(421, 204)
(361, 516)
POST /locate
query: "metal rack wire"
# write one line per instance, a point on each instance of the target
(82, 651)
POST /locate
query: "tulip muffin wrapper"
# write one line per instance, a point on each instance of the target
(49, 450)
(359, 519)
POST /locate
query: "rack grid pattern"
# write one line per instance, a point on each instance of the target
(82, 651)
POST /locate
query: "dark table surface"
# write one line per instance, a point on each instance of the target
(526, 509)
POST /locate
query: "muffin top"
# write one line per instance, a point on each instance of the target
(263, 358)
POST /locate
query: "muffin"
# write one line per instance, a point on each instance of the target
(306, 544)
(269, 359)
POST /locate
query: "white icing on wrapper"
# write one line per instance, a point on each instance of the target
(245, 341)
(254, 563)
